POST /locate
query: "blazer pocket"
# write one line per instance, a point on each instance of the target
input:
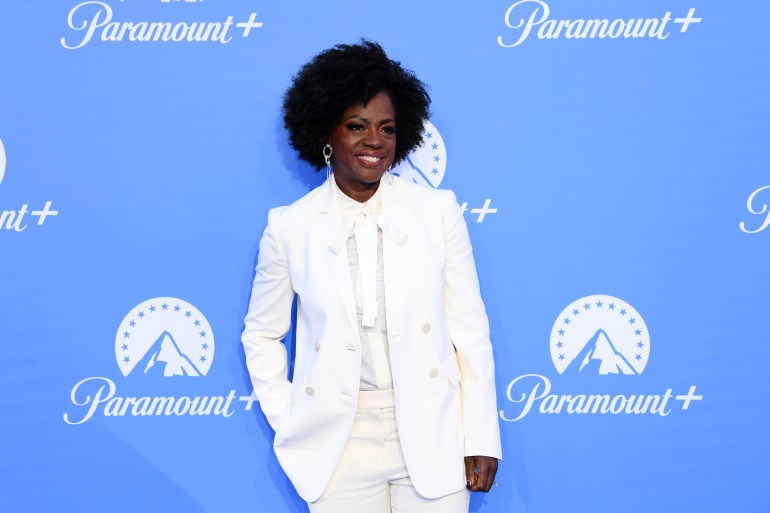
(285, 421)
(452, 370)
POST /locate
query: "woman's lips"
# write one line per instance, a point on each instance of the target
(370, 160)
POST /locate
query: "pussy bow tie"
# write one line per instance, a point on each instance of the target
(365, 230)
(364, 227)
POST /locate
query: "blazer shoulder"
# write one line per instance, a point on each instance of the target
(291, 215)
(435, 199)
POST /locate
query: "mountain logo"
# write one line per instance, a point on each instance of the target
(426, 164)
(2, 161)
(165, 337)
(600, 335)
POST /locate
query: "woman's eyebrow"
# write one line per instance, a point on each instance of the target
(366, 120)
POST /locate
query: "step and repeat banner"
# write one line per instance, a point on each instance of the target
(613, 161)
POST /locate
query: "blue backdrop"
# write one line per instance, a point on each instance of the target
(613, 158)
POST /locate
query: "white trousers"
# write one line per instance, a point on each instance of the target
(371, 476)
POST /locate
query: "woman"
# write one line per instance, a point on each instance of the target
(392, 405)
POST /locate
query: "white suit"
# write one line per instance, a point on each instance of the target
(438, 334)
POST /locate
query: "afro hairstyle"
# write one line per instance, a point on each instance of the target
(348, 75)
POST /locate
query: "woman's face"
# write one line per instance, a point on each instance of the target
(364, 144)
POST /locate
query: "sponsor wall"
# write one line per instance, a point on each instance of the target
(613, 162)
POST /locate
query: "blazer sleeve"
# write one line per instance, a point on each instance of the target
(469, 333)
(266, 324)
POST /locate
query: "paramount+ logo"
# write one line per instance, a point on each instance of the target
(527, 19)
(166, 345)
(96, 21)
(595, 341)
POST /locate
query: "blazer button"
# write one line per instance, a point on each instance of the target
(433, 373)
(317, 347)
(309, 390)
(425, 328)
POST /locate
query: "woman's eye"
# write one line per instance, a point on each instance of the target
(390, 130)
(355, 127)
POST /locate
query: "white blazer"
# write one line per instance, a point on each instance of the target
(438, 333)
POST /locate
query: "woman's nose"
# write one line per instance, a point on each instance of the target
(373, 138)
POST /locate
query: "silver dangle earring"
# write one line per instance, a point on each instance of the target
(327, 151)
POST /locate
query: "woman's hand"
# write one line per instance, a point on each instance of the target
(480, 472)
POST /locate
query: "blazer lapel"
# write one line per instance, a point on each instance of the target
(336, 253)
(393, 238)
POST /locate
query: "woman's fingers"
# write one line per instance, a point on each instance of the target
(480, 472)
